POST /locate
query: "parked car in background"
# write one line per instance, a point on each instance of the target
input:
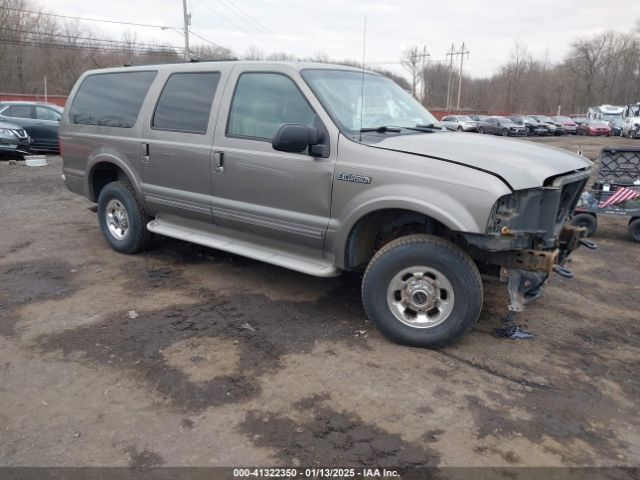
(595, 127)
(40, 120)
(502, 126)
(461, 123)
(568, 125)
(579, 119)
(555, 128)
(616, 126)
(13, 140)
(533, 127)
(630, 127)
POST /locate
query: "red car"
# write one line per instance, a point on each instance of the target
(570, 127)
(594, 127)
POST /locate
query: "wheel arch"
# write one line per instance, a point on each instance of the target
(375, 227)
(106, 168)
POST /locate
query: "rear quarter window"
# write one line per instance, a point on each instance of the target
(111, 99)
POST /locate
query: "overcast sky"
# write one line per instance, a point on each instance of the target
(489, 28)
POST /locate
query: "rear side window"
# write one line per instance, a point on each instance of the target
(185, 102)
(21, 111)
(111, 99)
(44, 113)
(263, 102)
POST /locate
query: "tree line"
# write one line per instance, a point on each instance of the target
(603, 68)
(599, 69)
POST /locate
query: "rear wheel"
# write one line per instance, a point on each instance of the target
(423, 291)
(122, 219)
(459, 129)
(481, 130)
(587, 220)
(634, 229)
(505, 132)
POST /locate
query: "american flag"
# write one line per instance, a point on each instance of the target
(621, 194)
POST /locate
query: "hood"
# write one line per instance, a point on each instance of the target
(522, 164)
(10, 126)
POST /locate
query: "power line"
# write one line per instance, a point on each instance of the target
(163, 27)
(98, 40)
(86, 47)
(240, 27)
(247, 17)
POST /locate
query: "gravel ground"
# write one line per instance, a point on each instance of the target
(229, 361)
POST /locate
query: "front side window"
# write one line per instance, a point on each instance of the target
(185, 102)
(384, 103)
(21, 111)
(44, 113)
(111, 99)
(263, 102)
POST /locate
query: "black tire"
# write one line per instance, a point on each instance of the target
(459, 129)
(634, 229)
(137, 237)
(587, 220)
(481, 130)
(434, 253)
(505, 132)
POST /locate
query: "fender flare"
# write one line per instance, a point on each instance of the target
(114, 159)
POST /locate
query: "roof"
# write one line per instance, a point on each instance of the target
(197, 66)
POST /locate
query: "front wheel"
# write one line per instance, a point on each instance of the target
(422, 291)
(122, 219)
(586, 220)
(505, 132)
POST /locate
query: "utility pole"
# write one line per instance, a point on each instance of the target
(425, 55)
(462, 53)
(414, 59)
(187, 21)
(450, 54)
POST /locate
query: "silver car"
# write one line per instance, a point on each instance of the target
(323, 169)
(460, 123)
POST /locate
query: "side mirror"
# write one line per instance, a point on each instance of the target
(295, 138)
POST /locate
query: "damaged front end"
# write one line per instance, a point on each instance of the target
(528, 236)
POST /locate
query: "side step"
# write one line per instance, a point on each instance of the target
(299, 263)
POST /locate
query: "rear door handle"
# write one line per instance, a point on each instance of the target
(218, 162)
(145, 154)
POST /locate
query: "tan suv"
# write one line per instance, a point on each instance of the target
(321, 169)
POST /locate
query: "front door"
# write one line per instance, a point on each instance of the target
(283, 198)
(176, 146)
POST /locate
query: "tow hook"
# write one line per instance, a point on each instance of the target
(563, 272)
(588, 243)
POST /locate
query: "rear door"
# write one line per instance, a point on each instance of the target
(48, 123)
(281, 198)
(176, 144)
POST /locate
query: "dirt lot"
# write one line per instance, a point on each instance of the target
(310, 382)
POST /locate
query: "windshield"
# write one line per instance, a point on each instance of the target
(611, 116)
(464, 118)
(544, 118)
(385, 103)
(505, 121)
(563, 119)
(598, 122)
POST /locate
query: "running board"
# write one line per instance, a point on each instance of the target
(299, 263)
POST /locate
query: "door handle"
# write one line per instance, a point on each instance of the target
(145, 155)
(218, 162)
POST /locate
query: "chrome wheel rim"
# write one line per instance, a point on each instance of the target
(117, 219)
(420, 297)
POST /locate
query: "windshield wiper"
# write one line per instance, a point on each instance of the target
(381, 129)
(428, 126)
